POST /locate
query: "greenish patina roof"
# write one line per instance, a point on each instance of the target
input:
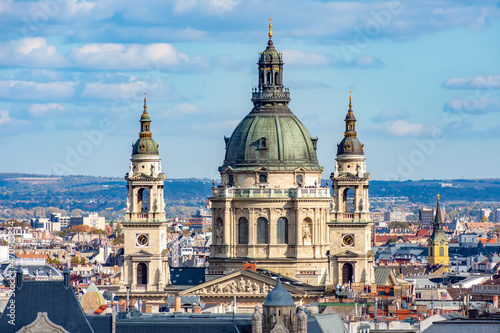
(382, 275)
(438, 232)
(288, 143)
(145, 146)
(438, 235)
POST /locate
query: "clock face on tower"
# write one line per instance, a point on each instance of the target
(142, 240)
(348, 240)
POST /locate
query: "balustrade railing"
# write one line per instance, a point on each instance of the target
(313, 192)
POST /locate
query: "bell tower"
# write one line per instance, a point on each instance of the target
(145, 266)
(438, 243)
(351, 257)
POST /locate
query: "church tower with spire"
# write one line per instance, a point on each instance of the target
(438, 242)
(145, 227)
(351, 257)
(271, 209)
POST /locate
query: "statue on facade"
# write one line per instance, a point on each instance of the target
(306, 234)
(127, 205)
(336, 172)
(242, 285)
(218, 234)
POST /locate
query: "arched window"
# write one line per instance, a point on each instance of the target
(269, 78)
(261, 77)
(282, 231)
(262, 231)
(142, 273)
(143, 200)
(242, 231)
(347, 273)
(441, 251)
(299, 179)
(276, 78)
(230, 181)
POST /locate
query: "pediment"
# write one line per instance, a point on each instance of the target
(240, 283)
(348, 176)
(42, 324)
(141, 253)
(260, 169)
(142, 177)
(347, 254)
(300, 169)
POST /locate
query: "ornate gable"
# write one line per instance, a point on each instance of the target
(42, 324)
(141, 253)
(346, 254)
(242, 283)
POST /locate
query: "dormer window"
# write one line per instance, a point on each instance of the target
(143, 147)
(263, 179)
(348, 146)
(262, 143)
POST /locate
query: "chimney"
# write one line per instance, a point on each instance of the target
(66, 274)
(19, 278)
(177, 304)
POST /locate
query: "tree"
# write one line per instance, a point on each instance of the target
(392, 240)
(120, 239)
(484, 218)
(399, 225)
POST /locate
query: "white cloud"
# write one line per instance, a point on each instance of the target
(296, 58)
(43, 109)
(477, 82)
(99, 90)
(134, 57)
(29, 90)
(4, 117)
(404, 128)
(31, 52)
(389, 115)
(362, 62)
(472, 105)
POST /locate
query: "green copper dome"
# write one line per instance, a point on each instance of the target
(273, 140)
(146, 146)
(271, 136)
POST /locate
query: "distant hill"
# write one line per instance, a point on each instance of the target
(97, 193)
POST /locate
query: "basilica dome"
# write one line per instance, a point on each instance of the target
(271, 136)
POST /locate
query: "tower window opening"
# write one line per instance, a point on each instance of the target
(276, 78)
(441, 251)
(143, 200)
(142, 273)
(230, 180)
(269, 78)
(262, 178)
(299, 179)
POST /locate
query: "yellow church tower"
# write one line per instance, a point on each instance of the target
(438, 243)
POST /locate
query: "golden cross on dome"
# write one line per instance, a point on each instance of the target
(145, 106)
(270, 34)
(438, 196)
(350, 92)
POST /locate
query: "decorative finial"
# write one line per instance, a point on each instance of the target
(438, 196)
(145, 100)
(350, 97)
(270, 34)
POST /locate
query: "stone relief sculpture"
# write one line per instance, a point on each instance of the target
(306, 234)
(218, 234)
(242, 285)
(155, 205)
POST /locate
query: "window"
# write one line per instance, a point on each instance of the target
(262, 143)
(299, 179)
(242, 231)
(276, 78)
(230, 181)
(418, 295)
(142, 273)
(262, 231)
(282, 231)
(441, 251)
(262, 178)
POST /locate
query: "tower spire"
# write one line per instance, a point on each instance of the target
(350, 120)
(145, 100)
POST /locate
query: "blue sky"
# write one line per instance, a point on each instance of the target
(425, 77)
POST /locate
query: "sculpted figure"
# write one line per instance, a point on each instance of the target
(306, 234)
(242, 285)
(256, 288)
(249, 287)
